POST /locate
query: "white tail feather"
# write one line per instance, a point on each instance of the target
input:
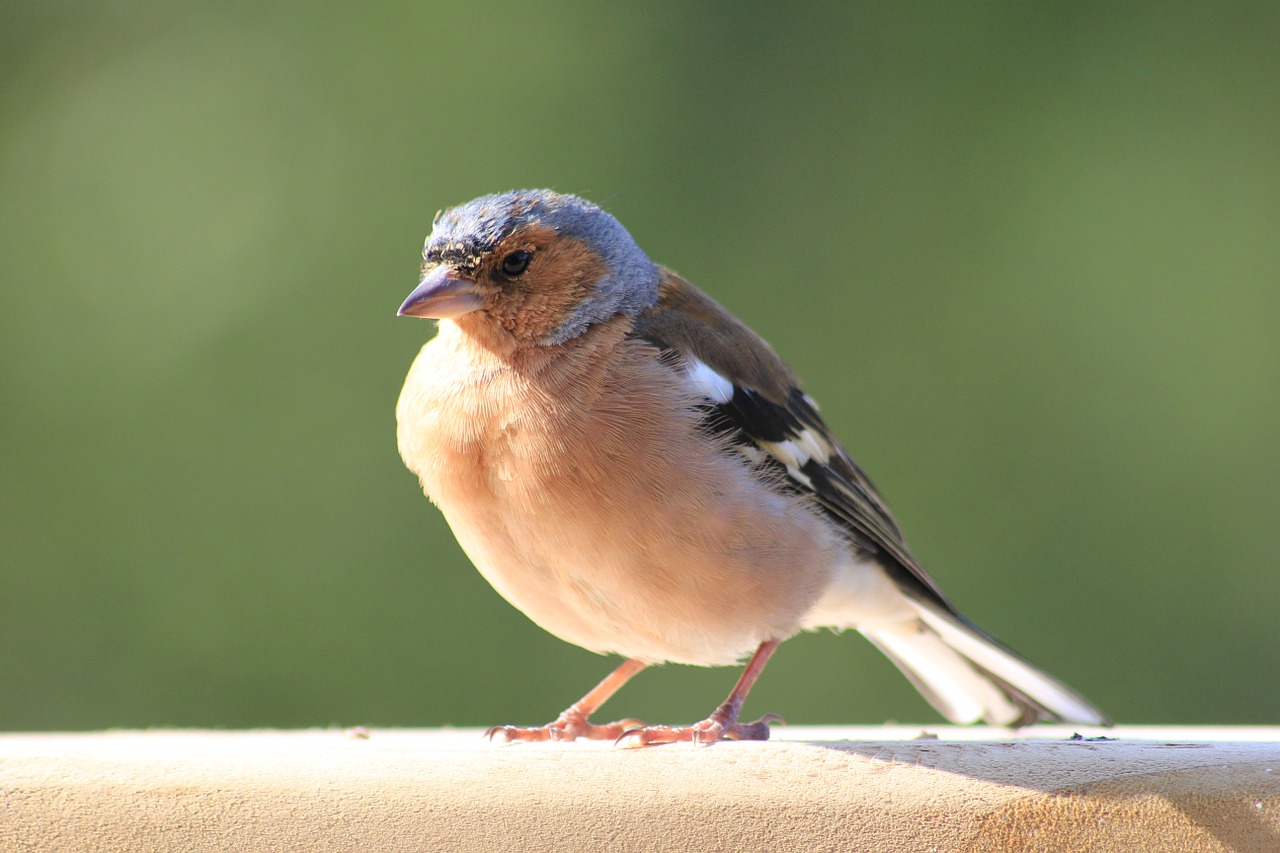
(967, 676)
(1043, 689)
(956, 689)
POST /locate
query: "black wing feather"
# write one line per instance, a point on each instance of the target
(836, 484)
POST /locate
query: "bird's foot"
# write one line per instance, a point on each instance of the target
(719, 726)
(570, 725)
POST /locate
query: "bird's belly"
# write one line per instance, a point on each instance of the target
(608, 518)
(612, 558)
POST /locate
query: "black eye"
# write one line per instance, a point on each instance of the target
(516, 262)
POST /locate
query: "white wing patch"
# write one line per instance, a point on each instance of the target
(793, 453)
(793, 471)
(709, 383)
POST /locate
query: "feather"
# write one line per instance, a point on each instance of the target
(751, 399)
(769, 411)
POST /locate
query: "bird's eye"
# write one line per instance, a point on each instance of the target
(516, 262)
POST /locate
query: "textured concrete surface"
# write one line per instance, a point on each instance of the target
(810, 789)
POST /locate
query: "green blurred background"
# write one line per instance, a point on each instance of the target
(1026, 255)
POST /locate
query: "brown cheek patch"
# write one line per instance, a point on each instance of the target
(564, 272)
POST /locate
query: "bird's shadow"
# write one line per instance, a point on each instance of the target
(1082, 775)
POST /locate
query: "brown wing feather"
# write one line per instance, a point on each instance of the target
(769, 410)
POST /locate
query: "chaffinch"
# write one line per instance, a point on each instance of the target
(637, 471)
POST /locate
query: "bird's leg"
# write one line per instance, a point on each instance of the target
(573, 723)
(723, 723)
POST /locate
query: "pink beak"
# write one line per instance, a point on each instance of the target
(443, 295)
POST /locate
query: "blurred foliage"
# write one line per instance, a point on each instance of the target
(1026, 256)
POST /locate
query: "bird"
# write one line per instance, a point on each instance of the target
(639, 473)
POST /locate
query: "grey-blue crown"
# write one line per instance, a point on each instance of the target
(463, 233)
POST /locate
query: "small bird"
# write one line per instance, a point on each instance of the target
(639, 473)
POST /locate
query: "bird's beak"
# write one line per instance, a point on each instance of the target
(443, 295)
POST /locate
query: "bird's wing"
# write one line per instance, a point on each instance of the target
(754, 400)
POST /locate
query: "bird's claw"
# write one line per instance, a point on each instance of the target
(704, 733)
(565, 728)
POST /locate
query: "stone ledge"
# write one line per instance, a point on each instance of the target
(812, 788)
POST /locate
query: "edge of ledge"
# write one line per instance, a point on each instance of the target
(812, 788)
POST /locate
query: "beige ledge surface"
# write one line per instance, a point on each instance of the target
(810, 789)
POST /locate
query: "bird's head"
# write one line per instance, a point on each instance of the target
(543, 266)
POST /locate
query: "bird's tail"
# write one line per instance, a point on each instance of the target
(968, 675)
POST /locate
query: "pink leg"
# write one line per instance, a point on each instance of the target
(723, 723)
(573, 723)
